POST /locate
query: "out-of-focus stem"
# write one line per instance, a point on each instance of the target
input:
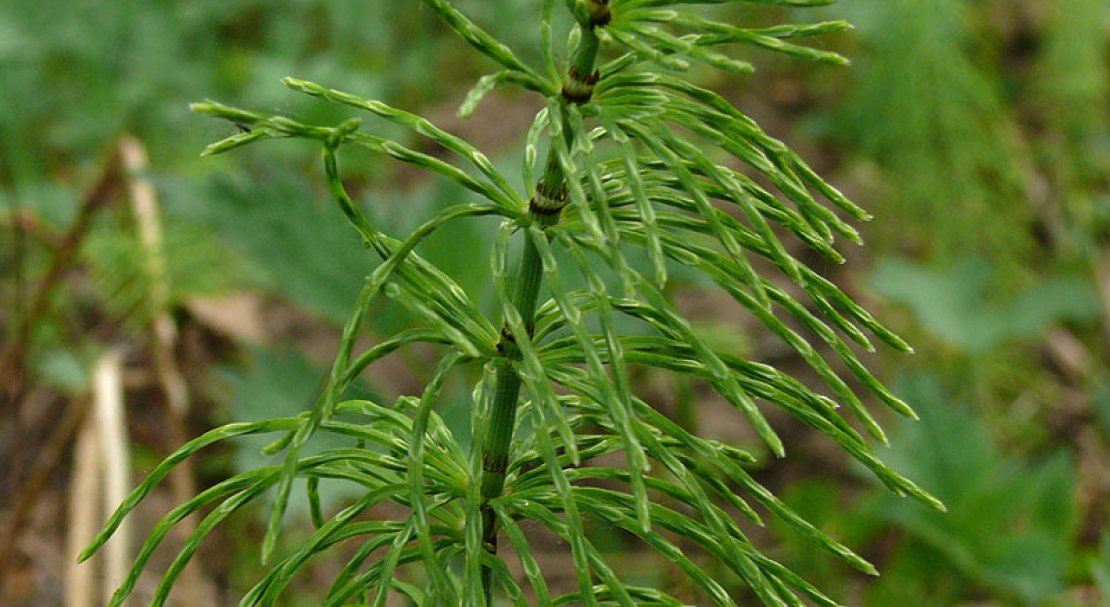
(163, 335)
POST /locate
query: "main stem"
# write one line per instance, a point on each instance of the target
(544, 210)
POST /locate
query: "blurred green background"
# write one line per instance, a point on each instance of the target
(976, 131)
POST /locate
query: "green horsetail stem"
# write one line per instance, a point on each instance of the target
(544, 209)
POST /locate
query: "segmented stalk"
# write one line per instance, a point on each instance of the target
(543, 209)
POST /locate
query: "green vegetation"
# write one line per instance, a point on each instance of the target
(621, 166)
(977, 134)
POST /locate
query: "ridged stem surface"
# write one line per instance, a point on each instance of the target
(502, 420)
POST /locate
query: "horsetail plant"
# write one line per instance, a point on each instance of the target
(638, 157)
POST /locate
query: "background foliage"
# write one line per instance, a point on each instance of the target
(977, 132)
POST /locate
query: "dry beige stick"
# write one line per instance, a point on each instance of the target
(84, 501)
(116, 459)
(144, 206)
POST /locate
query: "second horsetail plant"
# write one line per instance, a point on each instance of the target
(637, 156)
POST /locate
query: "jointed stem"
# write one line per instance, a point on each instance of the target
(544, 209)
